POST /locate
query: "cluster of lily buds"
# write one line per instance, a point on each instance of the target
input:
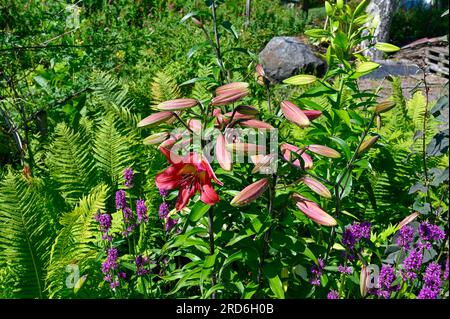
(288, 149)
(230, 93)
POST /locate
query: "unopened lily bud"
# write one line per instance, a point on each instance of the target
(367, 144)
(313, 211)
(229, 96)
(256, 124)
(250, 193)
(155, 119)
(363, 281)
(312, 114)
(378, 121)
(197, 22)
(233, 86)
(156, 138)
(408, 220)
(324, 151)
(246, 148)
(294, 114)
(178, 104)
(384, 106)
(316, 186)
(223, 155)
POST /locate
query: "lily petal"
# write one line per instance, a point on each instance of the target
(316, 186)
(324, 151)
(178, 104)
(208, 195)
(155, 119)
(256, 124)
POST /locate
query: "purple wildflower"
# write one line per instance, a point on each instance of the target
(141, 211)
(429, 232)
(128, 175)
(432, 276)
(170, 223)
(121, 201)
(111, 261)
(387, 276)
(412, 263)
(128, 230)
(446, 270)
(163, 192)
(333, 294)
(105, 224)
(427, 293)
(122, 275)
(345, 269)
(127, 214)
(164, 210)
(316, 272)
(356, 232)
(405, 237)
(141, 262)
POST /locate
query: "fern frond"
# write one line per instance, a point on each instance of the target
(76, 242)
(112, 96)
(70, 163)
(24, 236)
(112, 151)
(164, 87)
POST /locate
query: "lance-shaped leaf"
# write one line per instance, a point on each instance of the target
(155, 119)
(230, 96)
(294, 114)
(408, 220)
(324, 151)
(156, 138)
(313, 211)
(247, 110)
(384, 106)
(246, 148)
(367, 144)
(312, 114)
(316, 186)
(178, 104)
(256, 124)
(250, 193)
(223, 155)
(232, 87)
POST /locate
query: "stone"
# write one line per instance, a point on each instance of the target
(284, 57)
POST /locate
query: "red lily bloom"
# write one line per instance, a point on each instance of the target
(188, 174)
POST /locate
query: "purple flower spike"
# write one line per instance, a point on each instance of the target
(333, 294)
(405, 237)
(164, 210)
(170, 223)
(141, 211)
(121, 201)
(128, 175)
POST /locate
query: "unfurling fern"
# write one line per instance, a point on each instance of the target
(76, 242)
(24, 236)
(70, 163)
(112, 151)
(164, 87)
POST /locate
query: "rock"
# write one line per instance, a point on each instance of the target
(394, 68)
(284, 57)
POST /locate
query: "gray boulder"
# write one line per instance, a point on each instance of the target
(284, 57)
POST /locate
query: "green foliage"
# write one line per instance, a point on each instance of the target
(24, 236)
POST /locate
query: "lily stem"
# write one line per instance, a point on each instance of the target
(211, 246)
